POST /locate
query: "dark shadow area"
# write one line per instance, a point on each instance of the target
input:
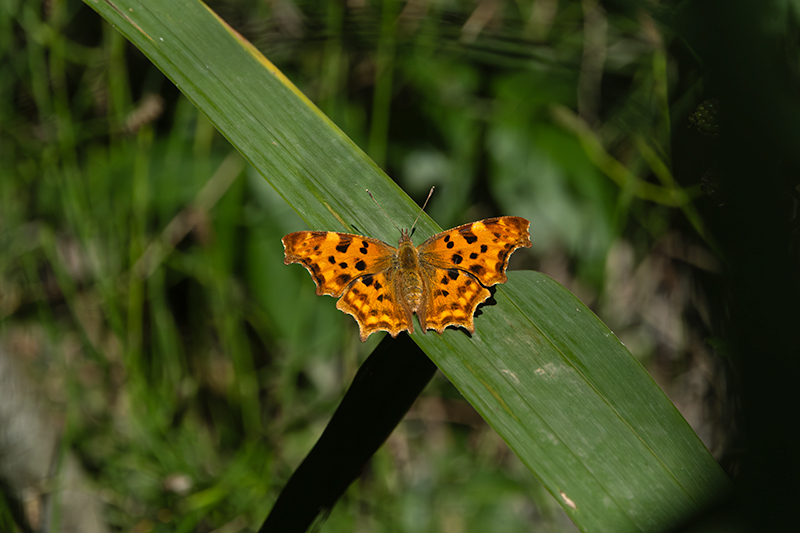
(750, 65)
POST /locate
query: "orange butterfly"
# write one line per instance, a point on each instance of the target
(442, 280)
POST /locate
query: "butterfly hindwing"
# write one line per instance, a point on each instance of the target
(373, 301)
(452, 298)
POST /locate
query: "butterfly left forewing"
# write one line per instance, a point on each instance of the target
(480, 248)
(333, 259)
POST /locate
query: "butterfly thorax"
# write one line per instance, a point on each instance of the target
(409, 280)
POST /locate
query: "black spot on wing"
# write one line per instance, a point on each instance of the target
(344, 279)
(343, 264)
(344, 244)
(361, 265)
(467, 234)
(484, 248)
(456, 259)
(473, 255)
(453, 273)
(331, 260)
(476, 269)
(367, 280)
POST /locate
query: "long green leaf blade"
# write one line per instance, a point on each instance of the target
(541, 369)
(578, 409)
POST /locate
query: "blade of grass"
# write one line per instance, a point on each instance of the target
(579, 410)
(544, 372)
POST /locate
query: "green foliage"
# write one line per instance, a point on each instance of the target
(196, 370)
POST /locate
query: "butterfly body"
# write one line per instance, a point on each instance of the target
(442, 281)
(410, 287)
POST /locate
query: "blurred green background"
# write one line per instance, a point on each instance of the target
(142, 282)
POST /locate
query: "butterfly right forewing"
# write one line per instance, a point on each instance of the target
(480, 248)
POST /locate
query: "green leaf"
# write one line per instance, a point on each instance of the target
(578, 409)
(549, 377)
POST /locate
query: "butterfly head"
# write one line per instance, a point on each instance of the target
(405, 236)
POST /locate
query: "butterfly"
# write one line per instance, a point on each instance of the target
(442, 280)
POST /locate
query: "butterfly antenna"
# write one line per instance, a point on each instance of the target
(384, 212)
(421, 210)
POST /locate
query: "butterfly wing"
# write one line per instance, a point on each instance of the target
(334, 260)
(460, 263)
(451, 298)
(481, 248)
(372, 300)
